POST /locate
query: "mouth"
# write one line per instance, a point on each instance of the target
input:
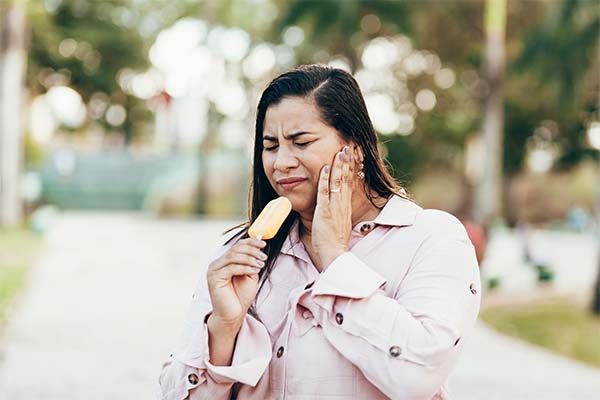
(290, 183)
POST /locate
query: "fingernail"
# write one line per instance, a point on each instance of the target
(263, 256)
(341, 156)
(347, 150)
(326, 169)
(260, 263)
(262, 243)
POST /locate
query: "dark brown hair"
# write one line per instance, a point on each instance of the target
(341, 105)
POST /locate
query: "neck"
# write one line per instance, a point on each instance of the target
(362, 210)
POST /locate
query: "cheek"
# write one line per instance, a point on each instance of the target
(316, 164)
(267, 164)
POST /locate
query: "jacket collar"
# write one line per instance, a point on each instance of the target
(396, 212)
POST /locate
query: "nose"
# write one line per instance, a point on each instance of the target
(285, 159)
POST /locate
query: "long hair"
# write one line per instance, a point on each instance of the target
(341, 106)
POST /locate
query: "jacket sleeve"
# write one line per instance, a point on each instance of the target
(188, 373)
(405, 345)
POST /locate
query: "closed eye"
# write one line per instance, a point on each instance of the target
(302, 144)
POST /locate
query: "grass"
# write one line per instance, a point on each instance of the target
(18, 248)
(559, 325)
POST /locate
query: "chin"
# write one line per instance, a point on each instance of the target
(302, 201)
(302, 205)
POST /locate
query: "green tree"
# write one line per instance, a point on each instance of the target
(340, 27)
(560, 55)
(88, 42)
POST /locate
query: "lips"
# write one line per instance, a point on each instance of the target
(290, 183)
(290, 180)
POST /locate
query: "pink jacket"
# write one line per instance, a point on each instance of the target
(387, 319)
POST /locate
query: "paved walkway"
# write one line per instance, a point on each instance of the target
(108, 297)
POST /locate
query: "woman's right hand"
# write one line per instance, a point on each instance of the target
(233, 282)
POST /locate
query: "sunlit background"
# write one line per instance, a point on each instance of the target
(139, 110)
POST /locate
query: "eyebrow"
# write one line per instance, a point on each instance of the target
(289, 137)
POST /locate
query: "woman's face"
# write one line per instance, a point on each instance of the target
(296, 145)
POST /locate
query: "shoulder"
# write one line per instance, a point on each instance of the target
(438, 222)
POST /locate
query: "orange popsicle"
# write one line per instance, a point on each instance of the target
(270, 219)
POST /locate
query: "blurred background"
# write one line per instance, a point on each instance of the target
(126, 132)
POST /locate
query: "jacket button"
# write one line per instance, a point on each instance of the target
(395, 351)
(366, 228)
(280, 352)
(306, 314)
(472, 288)
(193, 379)
(339, 318)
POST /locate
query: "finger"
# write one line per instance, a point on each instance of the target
(352, 163)
(236, 270)
(244, 259)
(251, 251)
(346, 176)
(335, 180)
(244, 251)
(354, 169)
(323, 187)
(254, 242)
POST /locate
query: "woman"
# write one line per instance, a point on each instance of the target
(362, 294)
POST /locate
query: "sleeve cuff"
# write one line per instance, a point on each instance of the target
(251, 356)
(347, 276)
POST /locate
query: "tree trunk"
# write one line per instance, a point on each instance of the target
(12, 68)
(487, 194)
(596, 294)
(209, 14)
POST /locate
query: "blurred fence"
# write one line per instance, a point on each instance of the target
(117, 180)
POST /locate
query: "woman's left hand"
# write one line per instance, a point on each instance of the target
(332, 220)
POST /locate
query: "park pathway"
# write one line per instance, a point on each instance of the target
(107, 298)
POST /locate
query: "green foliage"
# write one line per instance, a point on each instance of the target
(11, 280)
(335, 26)
(493, 282)
(18, 249)
(558, 325)
(559, 55)
(518, 126)
(550, 49)
(96, 34)
(98, 39)
(454, 30)
(402, 156)
(560, 50)
(34, 152)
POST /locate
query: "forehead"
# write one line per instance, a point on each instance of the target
(291, 114)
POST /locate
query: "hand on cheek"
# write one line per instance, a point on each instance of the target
(332, 221)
